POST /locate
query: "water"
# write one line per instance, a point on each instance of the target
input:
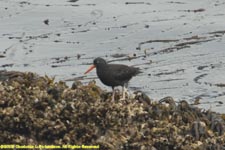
(179, 45)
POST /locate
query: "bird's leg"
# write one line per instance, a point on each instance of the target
(113, 94)
(124, 90)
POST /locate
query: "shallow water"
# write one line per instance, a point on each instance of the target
(179, 45)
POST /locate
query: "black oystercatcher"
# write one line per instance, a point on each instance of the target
(113, 74)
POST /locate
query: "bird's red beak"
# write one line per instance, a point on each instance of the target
(90, 68)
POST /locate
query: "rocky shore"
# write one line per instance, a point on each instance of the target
(37, 110)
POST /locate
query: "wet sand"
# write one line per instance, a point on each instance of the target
(179, 45)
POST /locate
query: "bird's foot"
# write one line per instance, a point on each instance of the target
(125, 96)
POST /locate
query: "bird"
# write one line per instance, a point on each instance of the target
(113, 75)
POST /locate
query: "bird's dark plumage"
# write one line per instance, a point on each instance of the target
(113, 74)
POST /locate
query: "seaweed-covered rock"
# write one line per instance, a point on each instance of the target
(38, 110)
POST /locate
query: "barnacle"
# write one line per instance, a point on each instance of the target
(39, 110)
